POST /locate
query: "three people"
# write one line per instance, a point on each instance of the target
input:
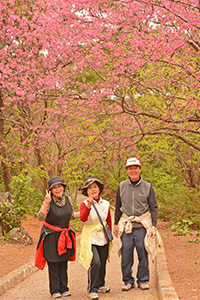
(57, 242)
(136, 211)
(94, 250)
(136, 208)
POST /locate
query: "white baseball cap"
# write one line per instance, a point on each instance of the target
(132, 161)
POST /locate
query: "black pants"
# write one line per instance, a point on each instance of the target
(58, 278)
(97, 269)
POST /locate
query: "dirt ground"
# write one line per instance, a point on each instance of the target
(183, 258)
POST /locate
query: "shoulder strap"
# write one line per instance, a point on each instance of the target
(98, 216)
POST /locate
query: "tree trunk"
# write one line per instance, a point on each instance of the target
(3, 153)
(40, 162)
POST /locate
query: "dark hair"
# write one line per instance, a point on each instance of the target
(88, 182)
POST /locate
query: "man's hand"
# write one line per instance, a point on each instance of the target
(116, 230)
(152, 232)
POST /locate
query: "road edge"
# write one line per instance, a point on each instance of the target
(14, 277)
(166, 290)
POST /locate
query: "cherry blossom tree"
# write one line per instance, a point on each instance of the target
(98, 76)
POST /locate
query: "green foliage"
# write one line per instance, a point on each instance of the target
(198, 233)
(112, 180)
(21, 193)
(35, 201)
(165, 167)
(182, 204)
(11, 216)
(182, 227)
(76, 224)
(35, 198)
(195, 240)
(26, 197)
(35, 173)
(8, 217)
(192, 206)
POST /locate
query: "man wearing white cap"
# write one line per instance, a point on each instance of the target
(136, 209)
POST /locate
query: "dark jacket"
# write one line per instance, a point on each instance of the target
(136, 199)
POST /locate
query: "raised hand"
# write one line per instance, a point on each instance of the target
(47, 198)
(90, 200)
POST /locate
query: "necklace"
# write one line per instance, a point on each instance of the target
(59, 201)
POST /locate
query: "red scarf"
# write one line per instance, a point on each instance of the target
(63, 241)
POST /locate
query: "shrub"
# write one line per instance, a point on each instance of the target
(182, 205)
(26, 200)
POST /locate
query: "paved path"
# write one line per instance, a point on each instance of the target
(35, 286)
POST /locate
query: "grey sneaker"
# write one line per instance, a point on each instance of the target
(143, 285)
(103, 289)
(57, 295)
(66, 294)
(93, 296)
(128, 286)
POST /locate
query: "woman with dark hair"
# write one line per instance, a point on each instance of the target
(57, 243)
(94, 250)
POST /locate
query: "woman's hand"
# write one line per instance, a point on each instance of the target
(90, 200)
(47, 198)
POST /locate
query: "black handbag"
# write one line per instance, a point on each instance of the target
(107, 231)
